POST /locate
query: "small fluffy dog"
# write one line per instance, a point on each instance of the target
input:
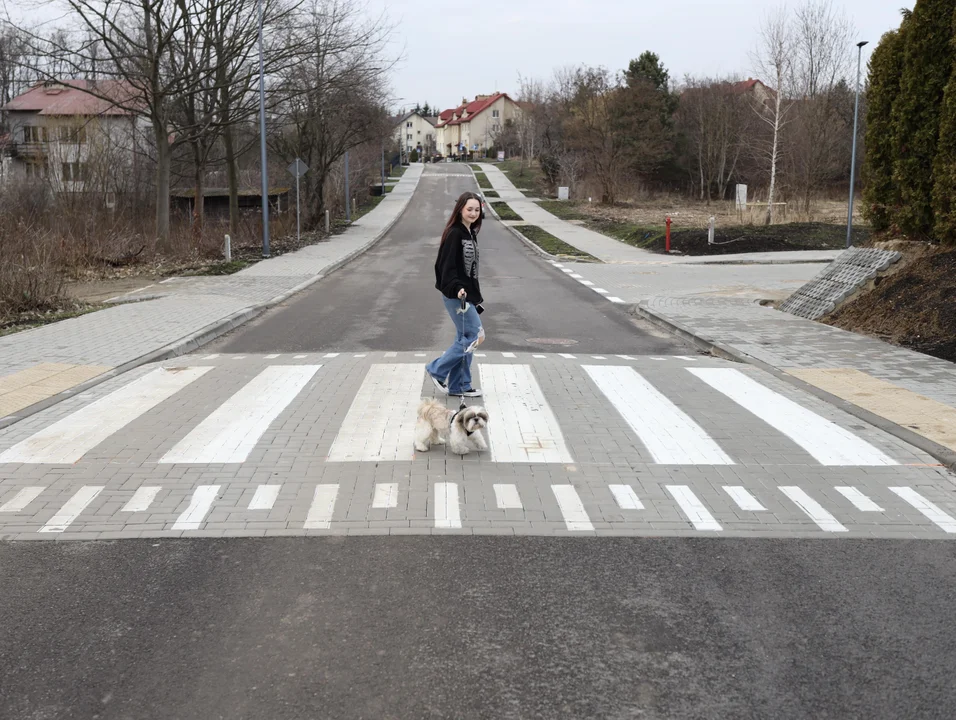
(460, 428)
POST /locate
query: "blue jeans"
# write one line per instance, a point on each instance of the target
(454, 365)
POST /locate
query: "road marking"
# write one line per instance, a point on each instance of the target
(945, 522)
(693, 508)
(380, 424)
(211, 357)
(826, 441)
(567, 270)
(587, 282)
(447, 512)
(598, 357)
(265, 497)
(575, 516)
(238, 357)
(602, 291)
(23, 498)
(298, 357)
(507, 497)
(625, 357)
(273, 356)
(744, 500)
(508, 355)
(71, 509)
(199, 506)
(859, 500)
(567, 356)
(813, 509)
(331, 355)
(361, 355)
(576, 276)
(539, 357)
(386, 495)
(615, 299)
(69, 439)
(669, 434)
(419, 354)
(626, 498)
(391, 354)
(523, 427)
(231, 432)
(142, 499)
(323, 504)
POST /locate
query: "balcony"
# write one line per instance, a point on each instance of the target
(29, 150)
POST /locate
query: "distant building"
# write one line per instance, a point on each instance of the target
(414, 131)
(474, 126)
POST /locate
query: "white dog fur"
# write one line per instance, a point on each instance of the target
(461, 430)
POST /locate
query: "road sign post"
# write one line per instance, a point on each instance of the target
(297, 169)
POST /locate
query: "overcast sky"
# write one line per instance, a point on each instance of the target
(461, 49)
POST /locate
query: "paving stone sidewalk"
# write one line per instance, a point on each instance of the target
(719, 305)
(172, 317)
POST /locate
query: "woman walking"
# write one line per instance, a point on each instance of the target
(456, 276)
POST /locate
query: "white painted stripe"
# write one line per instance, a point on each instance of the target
(539, 357)
(69, 439)
(142, 499)
(447, 512)
(331, 355)
(71, 509)
(298, 357)
(576, 276)
(859, 500)
(626, 498)
(198, 508)
(625, 357)
(265, 497)
(273, 356)
(567, 270)
(386, 495)
(686, 357)
(598, 357)
(380, 424)
(238, 357)
(615, 299)
(508, 355)
(669, 434)
(575, 516)
(419, 354)
(744, 500)
(602, 291)
(231, 432)
(945, 522)
(507, 497)
(523, 427)
(813, 509)
(391, 354)
(480, 355)
(693, 508)
(211, 357)
(323, 504)
(587, 282)
(361, 355)
(826, 441)
(567, 356)
(23, 498)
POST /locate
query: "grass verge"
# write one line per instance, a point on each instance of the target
(551, 244)
(476, 168)
(491, 194)
(505, 212)
(483, 181)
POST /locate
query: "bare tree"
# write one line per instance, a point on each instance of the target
(774, 60)
(531, 99)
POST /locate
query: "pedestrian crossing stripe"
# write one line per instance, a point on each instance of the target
(447, 510)
(379, 424)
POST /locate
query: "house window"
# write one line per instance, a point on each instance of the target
(495, 113)
(36, 171)
(74, 171)
(72, 134)
(408, 124)
(34, 134)
(409, 137)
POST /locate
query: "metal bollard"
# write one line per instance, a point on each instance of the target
(327, 226)
(667, 241)
(228, 248)
(710, 231)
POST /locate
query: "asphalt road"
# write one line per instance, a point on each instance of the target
(386, 299)
(472, 627)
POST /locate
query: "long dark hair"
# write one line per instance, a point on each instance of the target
(456, 213)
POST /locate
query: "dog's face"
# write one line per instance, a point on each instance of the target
(472, 419)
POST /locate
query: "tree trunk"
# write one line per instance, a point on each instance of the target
(773, 158)
(162, 185)
(199, 205)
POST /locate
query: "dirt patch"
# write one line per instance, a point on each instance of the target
(759, 238)
(914, 306)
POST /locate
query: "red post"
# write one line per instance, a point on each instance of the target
(667, 246)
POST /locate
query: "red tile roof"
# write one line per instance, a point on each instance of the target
(69, 97)
(473, 108)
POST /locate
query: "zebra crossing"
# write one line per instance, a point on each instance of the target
(310, 443)
(446, 511)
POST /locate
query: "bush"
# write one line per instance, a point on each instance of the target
(413, 156)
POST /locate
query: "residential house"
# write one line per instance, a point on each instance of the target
(414, 131)
(72, 140)
(474, 126)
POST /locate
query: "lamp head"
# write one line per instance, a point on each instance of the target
(861, 44)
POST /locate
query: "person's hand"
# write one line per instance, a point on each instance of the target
(462, 294)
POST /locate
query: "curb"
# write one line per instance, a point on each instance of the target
(196, 340)
(727, 352)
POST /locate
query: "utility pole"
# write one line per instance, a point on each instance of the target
(348, 198)
(856, 115)
(262, 144)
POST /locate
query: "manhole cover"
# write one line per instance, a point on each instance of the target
(551, 341)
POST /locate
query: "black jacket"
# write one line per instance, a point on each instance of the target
(457, 264)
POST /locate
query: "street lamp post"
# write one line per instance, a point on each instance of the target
(262, 144)
(856, 114)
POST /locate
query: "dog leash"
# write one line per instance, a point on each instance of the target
(462, 311)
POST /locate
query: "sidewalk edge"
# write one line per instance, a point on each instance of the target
(194, 341)
(943, 454)
(517, 234)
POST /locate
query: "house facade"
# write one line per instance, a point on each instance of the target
(71, 140)
(474, 126)
(414, 131)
